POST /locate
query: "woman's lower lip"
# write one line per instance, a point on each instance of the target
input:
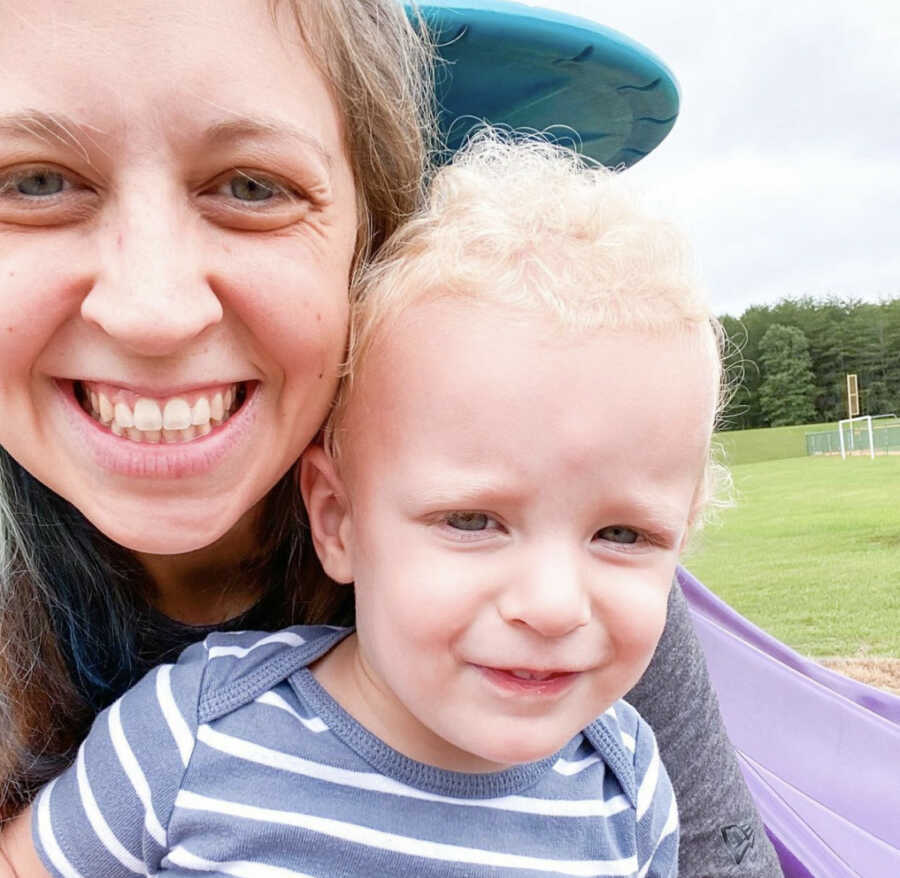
(510, 683)
(124, 457)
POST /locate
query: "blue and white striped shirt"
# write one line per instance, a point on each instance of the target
(236, 762)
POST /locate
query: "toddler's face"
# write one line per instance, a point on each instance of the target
(518, 503)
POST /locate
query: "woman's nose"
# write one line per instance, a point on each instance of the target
(550, 595)
(150, 292)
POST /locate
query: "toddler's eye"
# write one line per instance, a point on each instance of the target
(244, 187)
(616, 533)
(468, 520)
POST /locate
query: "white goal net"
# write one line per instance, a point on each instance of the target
(856, 436)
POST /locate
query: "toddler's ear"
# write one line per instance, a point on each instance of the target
(328, 512)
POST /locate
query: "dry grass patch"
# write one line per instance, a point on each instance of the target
(883, 673)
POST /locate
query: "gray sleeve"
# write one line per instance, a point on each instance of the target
(722, 835)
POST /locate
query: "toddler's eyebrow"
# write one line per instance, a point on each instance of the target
(654, 514)
(461, 492)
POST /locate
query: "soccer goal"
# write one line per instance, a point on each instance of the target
(854, 436)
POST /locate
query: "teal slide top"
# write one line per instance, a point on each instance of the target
(531, 68)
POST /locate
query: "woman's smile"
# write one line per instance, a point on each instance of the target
(171, 418)
(161, 436)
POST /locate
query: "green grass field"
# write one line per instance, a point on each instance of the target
(811, 552)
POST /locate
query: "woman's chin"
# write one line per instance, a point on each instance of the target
(158, 529)
(164, 541)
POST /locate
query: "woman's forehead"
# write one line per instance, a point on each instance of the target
(220, 65)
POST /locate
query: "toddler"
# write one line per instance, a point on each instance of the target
(517, 454)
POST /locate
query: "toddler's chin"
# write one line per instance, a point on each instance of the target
(520, 749)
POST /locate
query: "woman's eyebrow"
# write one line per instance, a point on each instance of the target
(47, 127)
(247, 128)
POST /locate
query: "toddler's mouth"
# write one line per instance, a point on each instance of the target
(172, 419)
(531, 681)
(532, 675)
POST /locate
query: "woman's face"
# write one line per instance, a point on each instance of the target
(177, 222)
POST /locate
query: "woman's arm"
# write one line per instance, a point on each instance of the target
(722, 835)
(18, 858)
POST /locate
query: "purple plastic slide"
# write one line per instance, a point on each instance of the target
(820, 752)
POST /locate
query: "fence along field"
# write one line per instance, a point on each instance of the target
(776, 443)
(811, 550)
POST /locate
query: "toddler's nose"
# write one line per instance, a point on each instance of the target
(549, 597)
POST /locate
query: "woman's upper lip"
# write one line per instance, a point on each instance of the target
(160, 390)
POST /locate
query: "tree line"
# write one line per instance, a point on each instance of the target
(787, 363)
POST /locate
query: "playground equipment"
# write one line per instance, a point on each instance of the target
(585, 84)
(820, 752)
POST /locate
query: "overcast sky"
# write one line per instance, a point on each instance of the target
(784, 164)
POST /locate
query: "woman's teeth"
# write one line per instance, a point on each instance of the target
(176, 419)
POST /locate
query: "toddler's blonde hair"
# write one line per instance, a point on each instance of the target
(532, 227)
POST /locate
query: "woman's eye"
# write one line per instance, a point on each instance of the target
(245, 187)
(616, 533)
(469, 521)
(34, 183)
(248, 187)
(45, 196)
(40, 183)
(250, 200)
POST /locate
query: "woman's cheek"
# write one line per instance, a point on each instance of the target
(36, 307)
(33, 294)
(296, 312)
